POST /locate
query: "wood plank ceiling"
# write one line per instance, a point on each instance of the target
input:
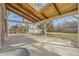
(31, 13)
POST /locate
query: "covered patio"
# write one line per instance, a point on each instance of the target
(37, 41)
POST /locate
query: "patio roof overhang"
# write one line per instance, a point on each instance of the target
(32, 13)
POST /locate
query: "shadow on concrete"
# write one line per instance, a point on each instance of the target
(19, 40)
(42, 51)
(23, 40)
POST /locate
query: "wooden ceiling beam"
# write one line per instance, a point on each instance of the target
(28, 12)
(17, 7)
(75, 12)
(56, 8)
(31, 10)
(49, 11)
(19, 13)
(44, 16)
(37, 11)
(66, 7)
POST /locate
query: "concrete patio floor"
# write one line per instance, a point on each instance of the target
(38, 46)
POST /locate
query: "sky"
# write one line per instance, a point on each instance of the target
(62, 20)
(40, 5)
(13, 16)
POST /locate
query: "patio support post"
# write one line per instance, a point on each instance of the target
(32, 29)
(28, 28)
(2, 26)
(78, 25)
(25, 26)
(6, 23)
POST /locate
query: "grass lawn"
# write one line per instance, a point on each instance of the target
(68, 36)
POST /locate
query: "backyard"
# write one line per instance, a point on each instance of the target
(67, 36)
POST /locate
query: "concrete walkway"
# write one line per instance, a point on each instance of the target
(38, 46)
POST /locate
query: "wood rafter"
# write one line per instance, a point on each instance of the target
(18, 8)
(56, 8)
(60, 16)
(34, 7)
(32, 10)
(19, 13)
